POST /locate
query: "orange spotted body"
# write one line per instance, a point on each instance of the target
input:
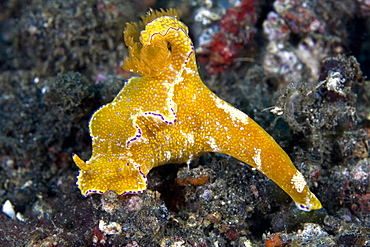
(168, 115)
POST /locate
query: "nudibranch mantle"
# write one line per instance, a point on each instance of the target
(168, 115)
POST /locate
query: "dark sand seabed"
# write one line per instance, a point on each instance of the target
(298, 68)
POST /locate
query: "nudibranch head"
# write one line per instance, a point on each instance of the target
(116, 173)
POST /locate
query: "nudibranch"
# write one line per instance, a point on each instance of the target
(167, 115)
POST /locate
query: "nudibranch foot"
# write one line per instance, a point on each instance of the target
(168, 115)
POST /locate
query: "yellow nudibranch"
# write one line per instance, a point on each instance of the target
(169, 116)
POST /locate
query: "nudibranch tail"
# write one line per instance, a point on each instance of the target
(168, 115)
(236, 134)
